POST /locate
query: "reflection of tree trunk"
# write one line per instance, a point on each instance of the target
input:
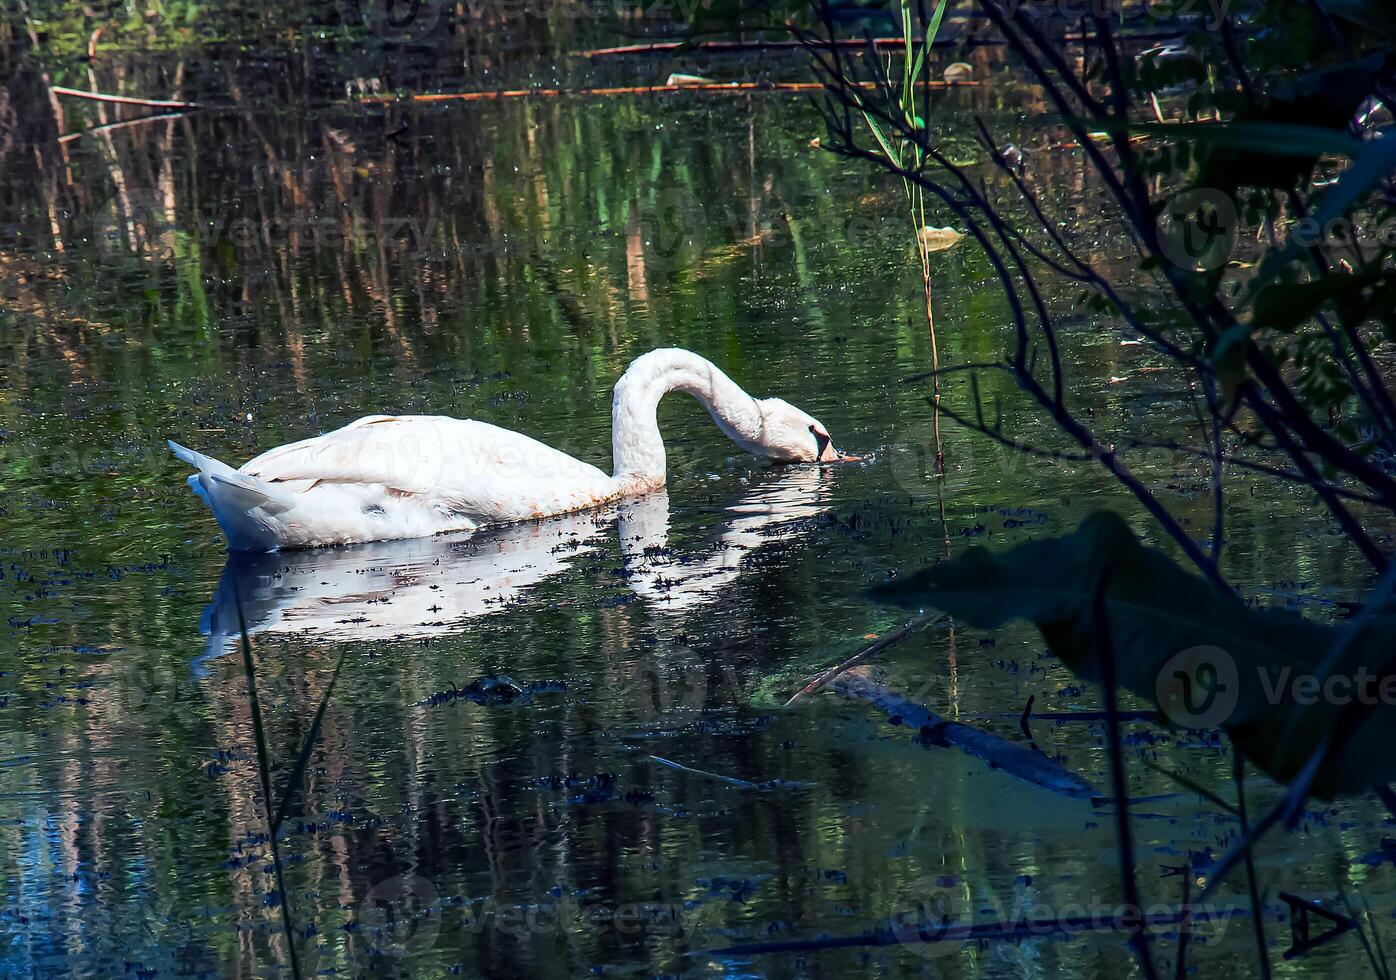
(71, 355)
(345, 289)
(295, 338)
(124, 205)
(493, 221)
(635, 255)
(752, 201)
(48, 190)
(381, 199)
(55, 106)
(166, 183)
(568, 308)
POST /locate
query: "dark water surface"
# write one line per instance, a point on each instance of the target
(240, 278)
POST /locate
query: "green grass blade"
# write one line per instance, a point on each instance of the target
(933, 28)
(918, 62)
(892, 154)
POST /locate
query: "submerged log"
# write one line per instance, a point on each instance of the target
(997, 752)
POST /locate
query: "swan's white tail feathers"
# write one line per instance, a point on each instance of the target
(200, 462)
(248, 493)
(240, 502)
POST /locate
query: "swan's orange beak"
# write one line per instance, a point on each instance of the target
(828, 454)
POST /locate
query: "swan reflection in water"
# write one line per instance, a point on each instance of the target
(425, 587)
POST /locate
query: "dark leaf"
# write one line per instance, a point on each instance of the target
(1167, 625)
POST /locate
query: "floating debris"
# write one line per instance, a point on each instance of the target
(939, 239)
(958, 71)
(490, 691)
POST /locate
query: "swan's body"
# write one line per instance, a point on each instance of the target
(385, 476)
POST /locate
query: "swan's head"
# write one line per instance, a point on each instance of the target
(789, 435)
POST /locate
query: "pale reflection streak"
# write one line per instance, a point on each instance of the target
(424, 587)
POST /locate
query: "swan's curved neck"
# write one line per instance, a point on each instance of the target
(636, 446)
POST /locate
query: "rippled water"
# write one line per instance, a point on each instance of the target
(265, 271)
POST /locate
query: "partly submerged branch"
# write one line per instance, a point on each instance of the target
(999, 753)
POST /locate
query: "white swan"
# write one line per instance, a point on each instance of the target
(408, 476)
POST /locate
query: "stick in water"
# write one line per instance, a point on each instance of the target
(896, 636)
(731, 780)
(78, 93)
(123, 124)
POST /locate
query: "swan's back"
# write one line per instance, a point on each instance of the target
(392, 476)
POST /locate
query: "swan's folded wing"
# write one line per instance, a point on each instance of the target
(383, 449)
(470, 466)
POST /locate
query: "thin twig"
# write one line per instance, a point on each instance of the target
(958, 369)
(1192, 785)
(1105, 653)
(77, 93)
(913, 625)
(121, 124)
(1246, 464)
(731, 780)
(264, 771)
(306, 748)
(1180, 970)
(1238, 775)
